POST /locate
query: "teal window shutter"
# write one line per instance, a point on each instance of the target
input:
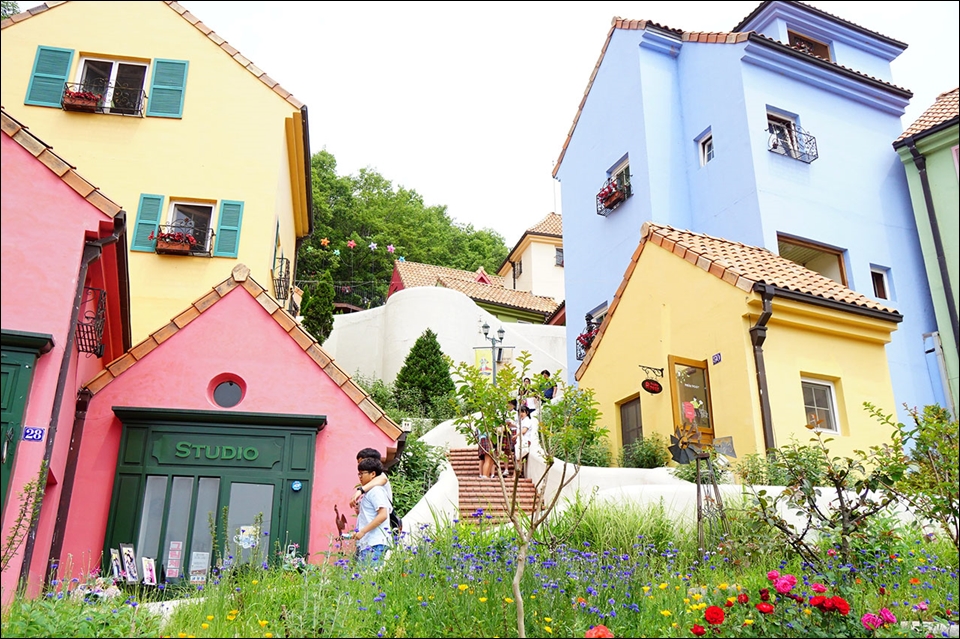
(50, 70)
(228, 229)
(148, 219)
(168, 83)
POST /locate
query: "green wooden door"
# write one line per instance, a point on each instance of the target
(14, 386)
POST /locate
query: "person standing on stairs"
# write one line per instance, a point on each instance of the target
(527, 435)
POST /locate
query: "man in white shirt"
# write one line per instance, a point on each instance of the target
(373, 520)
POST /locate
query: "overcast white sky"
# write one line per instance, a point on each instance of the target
(469, 103)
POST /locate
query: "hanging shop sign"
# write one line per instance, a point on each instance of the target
(652, 386)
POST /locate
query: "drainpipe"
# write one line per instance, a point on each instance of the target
(513, 271)
(758, 333)
(92, 250)
(69, 475)
(921, 163)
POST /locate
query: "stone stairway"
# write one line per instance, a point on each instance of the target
(486, 495)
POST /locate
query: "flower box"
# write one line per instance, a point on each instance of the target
(173, 248)
(84, 101)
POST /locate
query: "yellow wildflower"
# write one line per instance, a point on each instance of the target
(234, 612)
(686, 600)
(807, 611)
(209, 617)
(547, 619)
(508, 600)
(663, 586)
(723, 586)
(231, 617)
(748, 622)
(419, 598)
(646, 589)
(675, 625)
(263, 622)
(204, 625)
(665, 613)
(732, 599)
(697, 596)
(255, 582)
(533, 596)
(483, 600)
(548, 629)
(462, 587)
(268, 634)
(183, 635)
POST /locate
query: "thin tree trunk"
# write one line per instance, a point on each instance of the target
(517, 576)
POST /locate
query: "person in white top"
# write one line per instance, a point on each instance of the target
(373, 521)
(527, 436)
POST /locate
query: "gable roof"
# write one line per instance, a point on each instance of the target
(550, 226)
(200, 26)
(745, 267)
(240, 278)
(39, 149)
(721, 37)
(945, 108)
(417, 274)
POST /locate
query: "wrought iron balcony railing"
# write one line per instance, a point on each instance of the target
(612, 194)
(184, 238)
(93, 312)
(792, 141)
(103, 97)
(586, 337)
(281, 278)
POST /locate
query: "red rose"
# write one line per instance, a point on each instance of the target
(765, 594)
(698, 630)
(599, 632)
(765, 608)
(743, 598)
(828, 605)
(728, 604)
(817, 601)
(841, 604)
(883, 590)
(714, 615)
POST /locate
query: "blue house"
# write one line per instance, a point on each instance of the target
(776, 134)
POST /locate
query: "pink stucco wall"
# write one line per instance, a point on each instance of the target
(237, 336)
(45, 223)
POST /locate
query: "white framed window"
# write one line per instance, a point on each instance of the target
(820, 403)
(783, 134)
(121, 83)
(518, 268)
(193, 218)
(621, 172)
(559, 256)
(881, 285)
(706, 149)
(826, 260)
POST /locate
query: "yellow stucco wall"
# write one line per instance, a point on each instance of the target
(672, 307)
(230, 143)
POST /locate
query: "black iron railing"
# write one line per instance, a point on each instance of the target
(586, 337)
(103, 97)
(93, 312)
(184, 238)
(792, 141)
(281, 278)
(613, 193)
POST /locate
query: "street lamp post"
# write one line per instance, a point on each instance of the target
(494, 340)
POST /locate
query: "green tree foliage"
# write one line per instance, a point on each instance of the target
(929, 448)
(415, 472)
(317, 307)
(425, 376)
(8, 9)
(367, 209)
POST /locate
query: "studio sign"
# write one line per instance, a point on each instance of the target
(652, 386)
(223, 453)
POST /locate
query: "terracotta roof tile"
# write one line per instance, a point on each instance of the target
(502, 296)
(945, 107)
(743, 23)
(550, 225)
(739, 265)
(60, 167)
(417, 274)
(241, 277)
(195, 22)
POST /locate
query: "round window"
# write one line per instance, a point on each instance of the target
(227, 394)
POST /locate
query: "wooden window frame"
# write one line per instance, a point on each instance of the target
(818, 247)
(672, 363)
(623, 402)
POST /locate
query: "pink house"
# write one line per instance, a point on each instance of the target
(230, 413)
(65, 303)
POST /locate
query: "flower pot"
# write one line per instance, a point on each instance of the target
(173, 248)
(613, 199)
(75, 103)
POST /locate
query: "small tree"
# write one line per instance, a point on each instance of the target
(9, 9)
(317, 308)
(571, 418)
(425, 376)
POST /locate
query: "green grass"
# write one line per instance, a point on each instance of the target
(630, 569)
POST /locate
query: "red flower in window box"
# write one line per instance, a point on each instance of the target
(176, 242)
(80, 100)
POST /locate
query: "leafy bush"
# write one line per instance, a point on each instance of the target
(317, 308)
(594, 452)
(390, 400)
(415, 472)
(688, 472)
(806, 463)
(646, 452)
(425, 376)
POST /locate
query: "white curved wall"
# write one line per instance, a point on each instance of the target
(376, 342)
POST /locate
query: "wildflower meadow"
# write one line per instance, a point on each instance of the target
(593, 571)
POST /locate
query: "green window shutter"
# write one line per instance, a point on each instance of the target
(148, 217)
(168, 83)
(228, 229)
(50, 70)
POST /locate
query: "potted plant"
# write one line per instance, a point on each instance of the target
(174, 242)
(86, 101)
(610, 195)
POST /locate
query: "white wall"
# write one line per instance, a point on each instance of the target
(547, 276)
(376, 342)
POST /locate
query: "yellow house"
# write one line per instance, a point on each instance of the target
(744, 344)
(535, 264)
(207, 153)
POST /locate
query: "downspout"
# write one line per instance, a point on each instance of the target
(513, 272)
(921, 163)
(92, 250)
(758, 334)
